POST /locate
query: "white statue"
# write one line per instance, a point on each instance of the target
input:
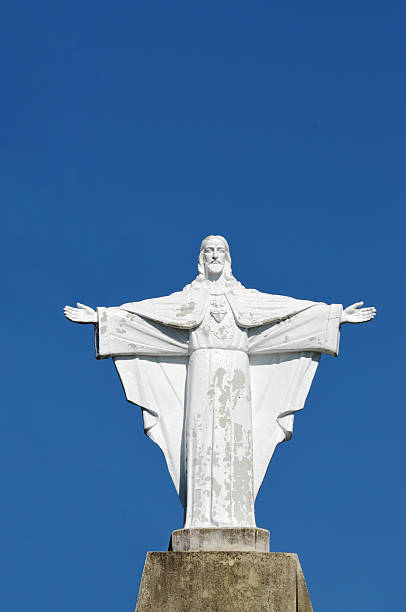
(219, 371)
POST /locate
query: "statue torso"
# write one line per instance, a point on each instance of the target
(218, 329)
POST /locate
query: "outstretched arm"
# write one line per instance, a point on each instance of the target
(356, 314)
(315, 329)
(82, 314)
(120, 333)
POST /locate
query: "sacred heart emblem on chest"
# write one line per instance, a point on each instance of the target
(218, 315)
(218, 310)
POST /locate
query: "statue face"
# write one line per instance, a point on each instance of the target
(214, 256)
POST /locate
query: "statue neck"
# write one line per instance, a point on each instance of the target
(216, 281)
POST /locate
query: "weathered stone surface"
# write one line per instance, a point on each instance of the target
(222, 582)
(237, 539)
(219, 371)
(302, 592)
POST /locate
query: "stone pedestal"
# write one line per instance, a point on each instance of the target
(243, 539)
(221, 582)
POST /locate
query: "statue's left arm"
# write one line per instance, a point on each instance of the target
(314, 329)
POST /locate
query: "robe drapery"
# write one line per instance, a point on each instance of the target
(219, 378)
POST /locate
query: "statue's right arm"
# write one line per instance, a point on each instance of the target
(82, 314)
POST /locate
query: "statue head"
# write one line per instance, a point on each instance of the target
(214, 257)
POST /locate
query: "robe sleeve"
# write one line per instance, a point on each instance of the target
(315, 329)
(121, 333)
(151, 360)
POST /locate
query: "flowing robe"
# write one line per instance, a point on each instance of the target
(218, 423)
(219, 378)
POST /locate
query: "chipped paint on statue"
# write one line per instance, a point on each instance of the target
(219, 372)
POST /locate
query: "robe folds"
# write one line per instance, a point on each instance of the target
(219, 378)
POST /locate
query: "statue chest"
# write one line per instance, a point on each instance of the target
(218, 328)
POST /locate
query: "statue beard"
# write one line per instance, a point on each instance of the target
(214, 268)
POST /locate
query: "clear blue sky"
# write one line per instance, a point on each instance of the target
(129, 131)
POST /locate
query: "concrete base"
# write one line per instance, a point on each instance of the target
(242, 539)
(222, 582)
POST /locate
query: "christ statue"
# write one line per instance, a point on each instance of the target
(219, 372)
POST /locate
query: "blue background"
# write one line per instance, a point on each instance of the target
(129, 131)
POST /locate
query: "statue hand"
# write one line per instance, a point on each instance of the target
(82, 314)
(356, 314)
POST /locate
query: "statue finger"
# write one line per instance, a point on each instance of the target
(73, 310)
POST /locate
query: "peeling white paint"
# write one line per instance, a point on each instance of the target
(218, 432)
(219, 371)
